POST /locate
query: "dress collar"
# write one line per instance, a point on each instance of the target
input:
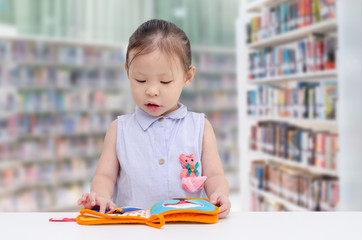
(145, 120)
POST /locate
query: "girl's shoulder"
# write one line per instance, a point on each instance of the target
(125, 117)
(201, 119)
(195, 115)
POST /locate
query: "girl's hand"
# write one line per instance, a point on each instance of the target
(89, 200)
(222, 201)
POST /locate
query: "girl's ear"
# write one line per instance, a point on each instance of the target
(126, 68)
(189, 76)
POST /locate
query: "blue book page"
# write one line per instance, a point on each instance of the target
(182, 204)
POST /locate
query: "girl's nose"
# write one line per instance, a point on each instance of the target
(152, 91)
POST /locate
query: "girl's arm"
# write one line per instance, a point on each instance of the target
(216, 186)
(105, 177)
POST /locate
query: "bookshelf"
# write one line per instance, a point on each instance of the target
(213, 92)
(338, 185)
(57, 98)
(49, 146)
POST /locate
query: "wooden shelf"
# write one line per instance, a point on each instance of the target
(321, 27)
(329, 75)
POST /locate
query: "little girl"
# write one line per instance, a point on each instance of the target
(161, 150)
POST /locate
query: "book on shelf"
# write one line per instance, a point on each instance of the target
(258, 174)
(63, 53)
(297, 186)
(300, 145)
(330, 46)
(308, 100)
(288, 16)
(8, 102)
(314, 47)
(263, 204)
(314, 53)
(4, 51)
(324, 149)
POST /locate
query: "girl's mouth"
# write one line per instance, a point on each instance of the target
(152, 107)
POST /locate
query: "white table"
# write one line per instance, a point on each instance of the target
(238, 225)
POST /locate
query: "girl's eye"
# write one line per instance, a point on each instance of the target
(165, 82)
(141, 81)
(192, 160)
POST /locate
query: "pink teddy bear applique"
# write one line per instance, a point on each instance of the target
(190, 178)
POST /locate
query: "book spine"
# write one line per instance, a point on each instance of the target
(304, 147)
(335, 152)
(308, 12)
(331, 8)
(284, 17)
(302, 13)
(329, 151)
(277, 30)
(323, 9)
(311, 57)
(319, 55)
(290, 20)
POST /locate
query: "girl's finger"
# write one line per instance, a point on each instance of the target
(112, 205)
(102, 206)
(214, 199)
(85, 196)
(93, 199)
(223, 208)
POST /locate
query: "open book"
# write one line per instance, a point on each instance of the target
(198, 210)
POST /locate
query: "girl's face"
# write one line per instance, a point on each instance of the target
(157, 81)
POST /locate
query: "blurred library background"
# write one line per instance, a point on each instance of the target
(286, 110)
(62, 82)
